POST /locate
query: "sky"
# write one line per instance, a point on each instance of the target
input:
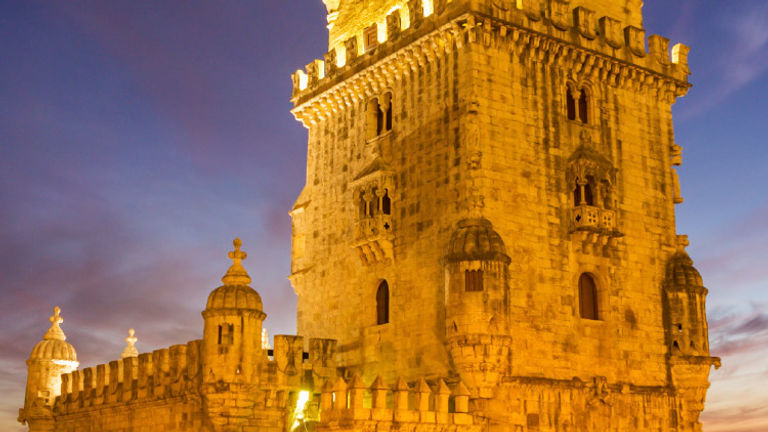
(137, 139)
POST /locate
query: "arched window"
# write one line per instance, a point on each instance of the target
(379, 120)
(577, 194)
(382, 303)
(386, 203)
(226, 334)
(588, 199)
(473, 280)
(587, 297)
(378, 116)
(583, 104)
(570, 104)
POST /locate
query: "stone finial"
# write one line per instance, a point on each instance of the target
(130, 349)
(682, 242)
(236, 274)
(55, 332)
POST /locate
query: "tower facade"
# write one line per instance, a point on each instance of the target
(504, 172)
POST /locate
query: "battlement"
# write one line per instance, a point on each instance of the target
(160, 374)
(550, 31)
(177, 371)
(351, 404)
(289, 362)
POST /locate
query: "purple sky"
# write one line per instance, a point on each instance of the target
(137, 139)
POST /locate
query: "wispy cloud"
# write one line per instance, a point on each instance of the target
(745, 30)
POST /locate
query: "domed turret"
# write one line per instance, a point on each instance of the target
(50, 358)
(475, 239)
(54, 345)
(681, 272)
(235, 293)
(233, 317)
(684, 297)
(477, 302)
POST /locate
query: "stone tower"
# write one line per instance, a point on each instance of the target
(232, 354)
(490, 199)
(50, 358)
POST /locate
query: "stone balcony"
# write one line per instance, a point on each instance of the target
(585, 216)
(595, 229)
(373, 238)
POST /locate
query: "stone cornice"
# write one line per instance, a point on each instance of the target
(604, 55)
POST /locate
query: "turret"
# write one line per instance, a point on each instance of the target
(50, 358)
(233, 321)
(477, 304)
(684, 297)
(687, 336)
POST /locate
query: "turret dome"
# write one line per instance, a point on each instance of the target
(235, 293)
(234, 297)
(54, 345)
(475, 239)
(682, 273)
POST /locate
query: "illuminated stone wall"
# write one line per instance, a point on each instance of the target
(483, 130)
(485, 242)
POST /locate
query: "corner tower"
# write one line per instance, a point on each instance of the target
(545, 123)
(50, 358)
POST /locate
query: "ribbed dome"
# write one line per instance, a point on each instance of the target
(681, 272)
(53, 349)
(475, 239)
(54, 345)
(235, 293)
(234, 297)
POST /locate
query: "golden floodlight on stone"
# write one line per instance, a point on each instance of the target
(472, 239)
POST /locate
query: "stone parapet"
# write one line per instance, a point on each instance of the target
(551, 33)
(164, 373)
(351, 405)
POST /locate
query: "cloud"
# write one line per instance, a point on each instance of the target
(745, 31)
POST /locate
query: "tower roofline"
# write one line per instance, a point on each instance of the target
(606, 47)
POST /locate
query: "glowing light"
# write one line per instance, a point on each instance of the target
(427, 8)
(303, 79)
(341, 56)
(381, 32)
(301, 404)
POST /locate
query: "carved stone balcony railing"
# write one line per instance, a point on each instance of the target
(373, 227)
(373, 238)
(595, 228)
(585, 216)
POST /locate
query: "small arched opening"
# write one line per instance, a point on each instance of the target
(583, 106)
(382, 303)
(588, 297)
(570, 104)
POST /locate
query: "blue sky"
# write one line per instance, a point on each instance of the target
(138, 138)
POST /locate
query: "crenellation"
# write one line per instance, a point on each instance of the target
(658, 46)
(350, 405)
(542, 45)
(487, 232)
